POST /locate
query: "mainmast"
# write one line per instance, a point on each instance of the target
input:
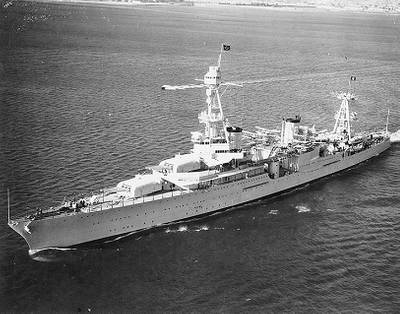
(342, 124)
(343, 118)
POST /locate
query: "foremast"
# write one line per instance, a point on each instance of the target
(213, 116)
(218, 136)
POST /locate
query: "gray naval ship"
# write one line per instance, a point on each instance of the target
(226, 167)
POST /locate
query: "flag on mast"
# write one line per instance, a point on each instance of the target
(224, 47)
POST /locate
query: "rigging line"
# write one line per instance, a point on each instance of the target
(226, 88)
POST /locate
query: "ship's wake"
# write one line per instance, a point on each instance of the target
(180, 229)
(185, 229)
(51, 254)
(395, 137)
(120, 237)
(203, 228)
(33, 252)
(302, 209)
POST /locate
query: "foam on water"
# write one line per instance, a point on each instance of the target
(120, 237)
(186, 229)
(302, 209)
(182, 229)
(202, 228)
(395, 137)
(49, 255)
(64, 249)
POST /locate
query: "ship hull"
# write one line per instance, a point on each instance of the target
(77, 228)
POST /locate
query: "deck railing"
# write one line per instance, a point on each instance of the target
(123, 202)
(132, 201)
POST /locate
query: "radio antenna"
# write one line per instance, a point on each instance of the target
(387, 121)
(8, 206)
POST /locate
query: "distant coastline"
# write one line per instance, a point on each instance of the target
(330, 6)
(361, 6)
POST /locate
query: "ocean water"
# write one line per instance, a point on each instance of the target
(81, 107)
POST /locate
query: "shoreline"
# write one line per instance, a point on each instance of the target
(254, 5)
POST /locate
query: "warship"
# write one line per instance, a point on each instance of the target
(226, 167)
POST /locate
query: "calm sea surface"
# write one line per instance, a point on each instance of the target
(81, 106)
